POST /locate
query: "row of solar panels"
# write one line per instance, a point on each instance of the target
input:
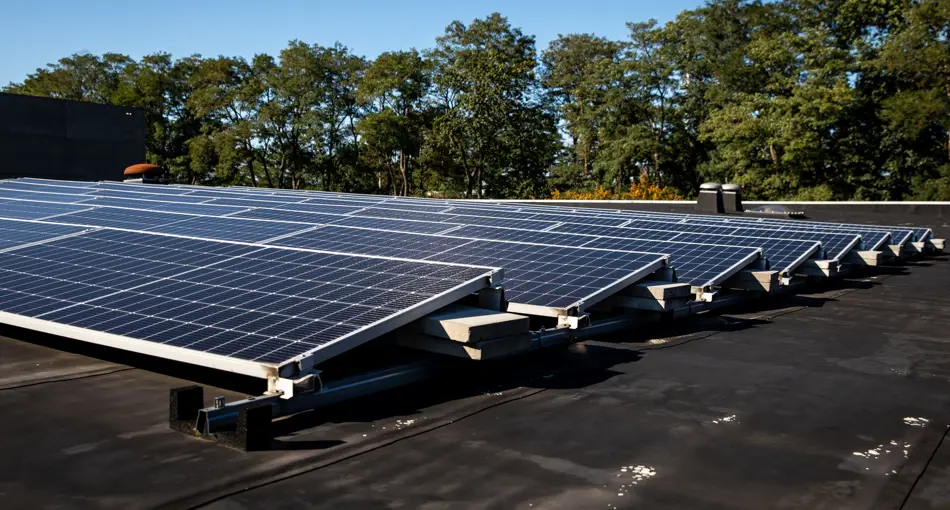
(676, 235)
(304, 275)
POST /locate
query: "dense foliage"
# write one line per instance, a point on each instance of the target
(793, 99)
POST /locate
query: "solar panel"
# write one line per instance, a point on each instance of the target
(544, 279)
(901, 234)
(700, 265)
(871, 239)
(361, 241)
(231, 306)
(783, 254)
(552, 280)
(836, 245)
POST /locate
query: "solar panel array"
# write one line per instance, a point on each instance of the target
(256, 276)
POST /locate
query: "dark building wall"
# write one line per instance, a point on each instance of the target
(57, 139)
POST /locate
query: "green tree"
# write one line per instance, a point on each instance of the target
(395, 92)
(485, 78)
(576, 73)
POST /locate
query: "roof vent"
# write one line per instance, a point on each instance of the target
(710, 198)
(144, 172)
(732, 198)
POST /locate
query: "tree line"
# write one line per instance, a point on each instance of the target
(793, 99)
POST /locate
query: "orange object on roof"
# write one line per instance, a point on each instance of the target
(141, 168)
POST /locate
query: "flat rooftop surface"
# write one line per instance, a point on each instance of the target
(833, 398)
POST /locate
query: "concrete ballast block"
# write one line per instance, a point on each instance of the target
(470, 325)
(659, 290)
(483, 350)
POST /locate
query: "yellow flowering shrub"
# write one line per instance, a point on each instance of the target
(638, 191)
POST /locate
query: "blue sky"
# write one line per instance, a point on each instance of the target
(33, 33)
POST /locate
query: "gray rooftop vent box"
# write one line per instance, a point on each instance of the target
(710, 199)
(732, 198)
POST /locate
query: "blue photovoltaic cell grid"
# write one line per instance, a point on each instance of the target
(16, 233)
(581, 214)
(835, 245)
(699, 265)
(872, 235)
(187, 199)
(871, 238)
(277, 214)
(70, 198)
(409, 215)
(228, 229)
(23, 185)
(244, 302)
(151, 189)
(534, 274)
(373, 242)
(155, 205)
(922, 234)
(551, 276)
(74, 184)
(317, 208)
(240, 202)
(417, 227)
(119, 218)
(782, 254)
(24, 210)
